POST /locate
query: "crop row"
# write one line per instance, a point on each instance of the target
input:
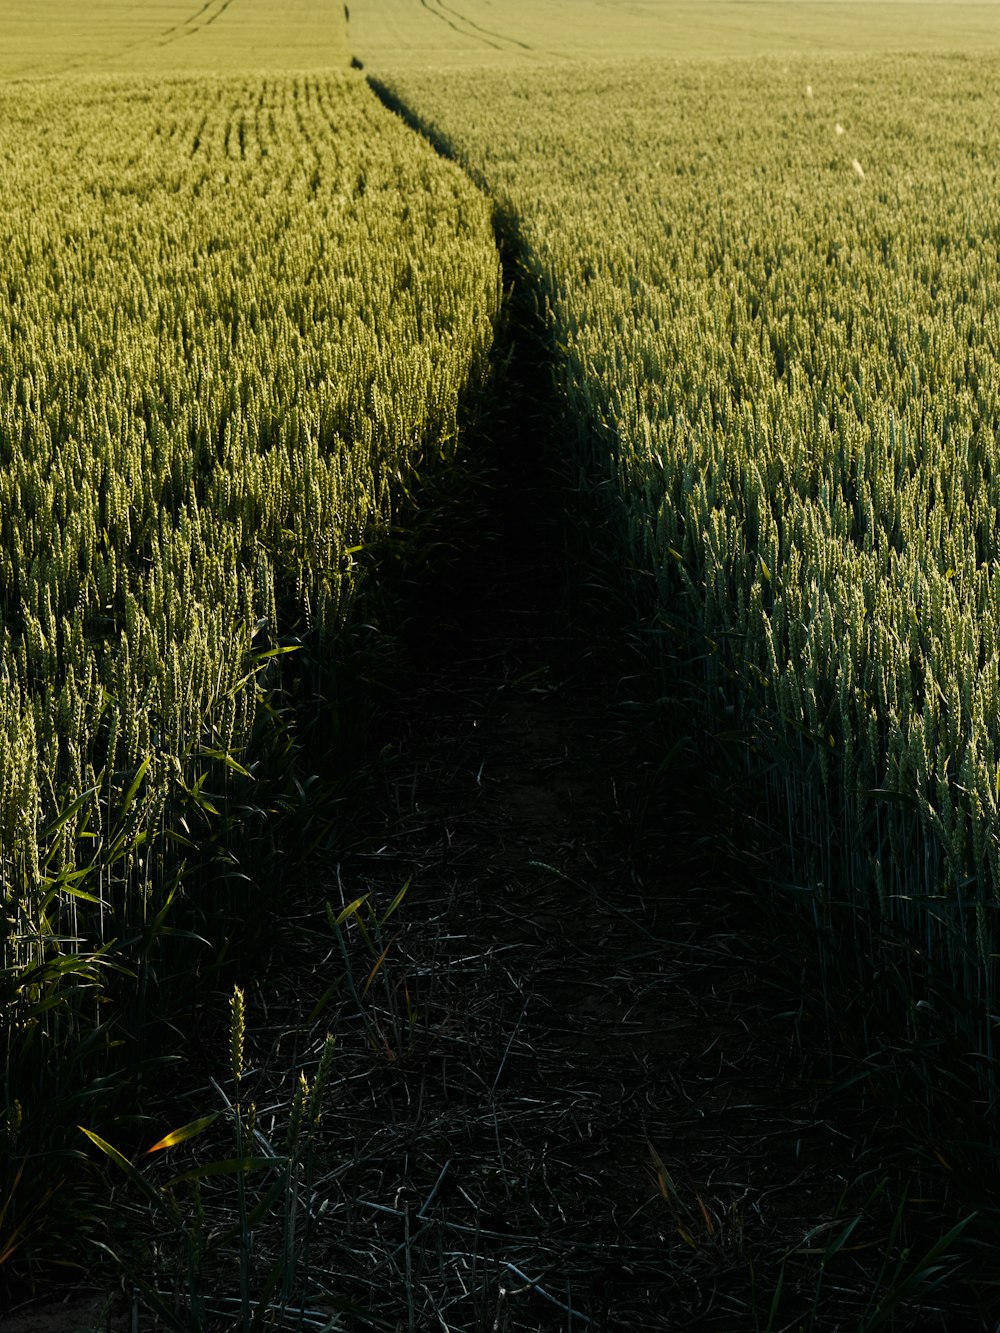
(234, 316)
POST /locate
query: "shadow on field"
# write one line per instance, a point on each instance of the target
(572, 1090)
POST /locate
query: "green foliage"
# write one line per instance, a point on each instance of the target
(245, 1258)
(389, 1023)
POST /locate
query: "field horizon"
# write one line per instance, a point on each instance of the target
(48, 38)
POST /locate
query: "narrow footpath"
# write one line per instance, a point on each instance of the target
(589, 1106)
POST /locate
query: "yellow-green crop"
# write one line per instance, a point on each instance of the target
(232, 315)
(42, 38)
(235, 315)
(395, 35)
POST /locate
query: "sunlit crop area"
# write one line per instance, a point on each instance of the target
(234, 315)
(395, 35)
(42, 38)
